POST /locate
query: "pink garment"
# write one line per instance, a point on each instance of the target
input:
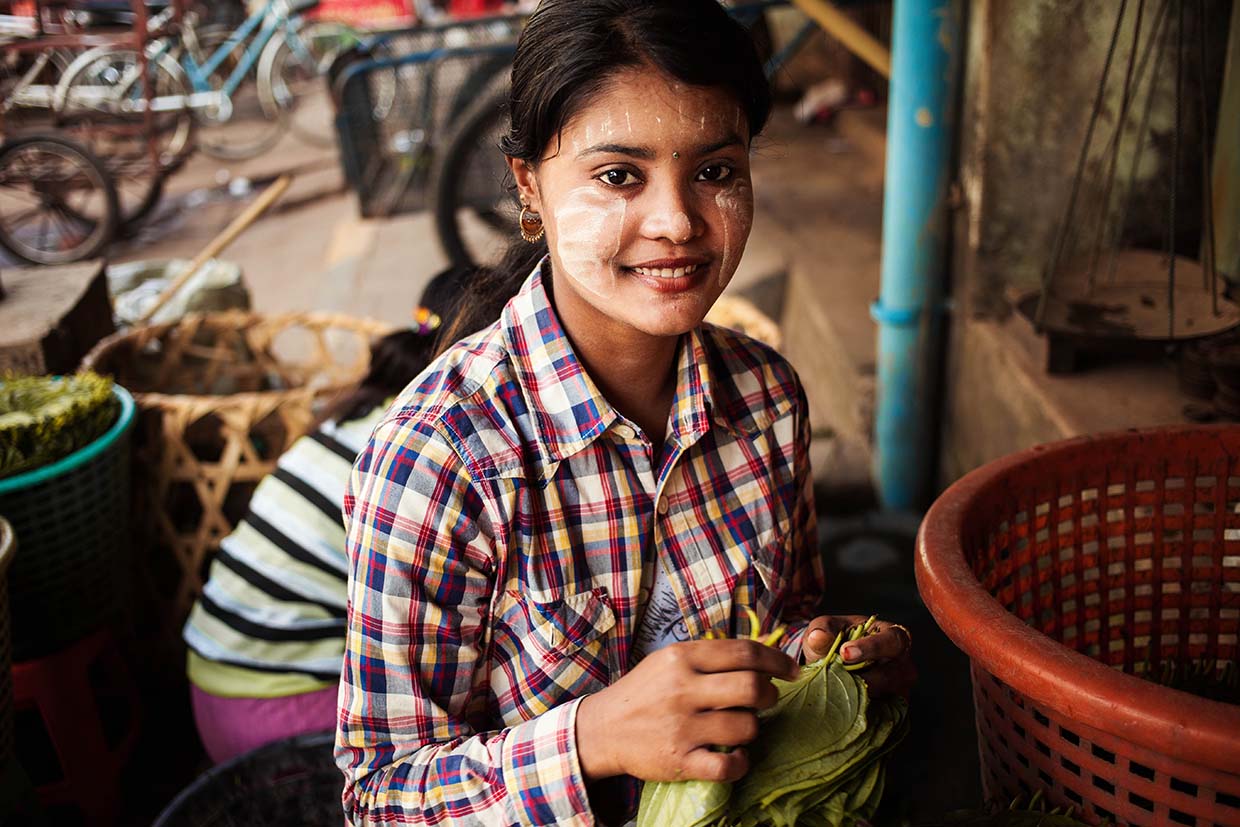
(229, 727)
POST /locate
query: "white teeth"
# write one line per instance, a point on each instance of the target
(667, 273)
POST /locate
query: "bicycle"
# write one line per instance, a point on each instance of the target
(33, 59)
(239, 86)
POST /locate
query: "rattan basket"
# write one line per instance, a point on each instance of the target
(743, 315)
(220, 397)
(1066, 572)
(72, 518)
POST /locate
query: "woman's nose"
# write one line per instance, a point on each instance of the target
(671, 215)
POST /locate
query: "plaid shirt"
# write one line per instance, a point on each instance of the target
(500, 525)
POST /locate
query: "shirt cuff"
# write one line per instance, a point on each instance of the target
(543, 772)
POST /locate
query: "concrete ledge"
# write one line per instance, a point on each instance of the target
(1003, 401)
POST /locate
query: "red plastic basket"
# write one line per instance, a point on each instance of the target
(1066, 571)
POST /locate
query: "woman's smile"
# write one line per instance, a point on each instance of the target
(673, 275)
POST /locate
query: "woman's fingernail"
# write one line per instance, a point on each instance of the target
(849, 652)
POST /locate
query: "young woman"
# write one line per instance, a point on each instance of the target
(544, 529)
(266, 636)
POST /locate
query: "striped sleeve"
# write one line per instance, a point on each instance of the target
(420, 586)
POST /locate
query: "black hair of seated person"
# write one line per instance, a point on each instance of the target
(397, 358)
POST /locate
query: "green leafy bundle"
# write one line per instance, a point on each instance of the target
(44, 418)
(816, 761)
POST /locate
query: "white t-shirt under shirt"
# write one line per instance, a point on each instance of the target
(662, 623)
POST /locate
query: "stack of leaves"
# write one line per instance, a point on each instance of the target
(816, 760)
(45, 418)
(1016, 814)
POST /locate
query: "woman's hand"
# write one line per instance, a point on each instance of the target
(890, 649)
(659, 722)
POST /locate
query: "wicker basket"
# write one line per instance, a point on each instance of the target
(291, 783)
(1067, 571)
(220, 397)
(72, 518)
(743, 315)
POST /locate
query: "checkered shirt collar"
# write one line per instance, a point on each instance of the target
(569, 410)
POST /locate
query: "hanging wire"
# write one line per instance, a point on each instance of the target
(1157, 36)
(1210, 269)
(1116, 144)
(1175, 166)
(1065, 225)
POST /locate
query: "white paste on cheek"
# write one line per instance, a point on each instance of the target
(735, 205)
(589, 228)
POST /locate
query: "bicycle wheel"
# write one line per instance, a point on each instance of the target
(475, 213)
(241, 128)
(293, 78)
(57, 203)
(27, 82)
(98, 102)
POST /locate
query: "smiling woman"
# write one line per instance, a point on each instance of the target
(589, 479)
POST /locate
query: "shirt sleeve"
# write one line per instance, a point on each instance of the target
(420, 586)
(808, 576)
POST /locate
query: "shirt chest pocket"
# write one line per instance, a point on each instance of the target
(561, 644)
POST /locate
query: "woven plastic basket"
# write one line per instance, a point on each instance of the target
(1067, 571)
(72, 519)
(220, 397)
(291, 783)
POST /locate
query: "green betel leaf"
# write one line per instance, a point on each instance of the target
(817, 761)
(682, 803)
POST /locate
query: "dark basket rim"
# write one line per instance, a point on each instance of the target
(81, 456)
(243, 763)
(1166, 721)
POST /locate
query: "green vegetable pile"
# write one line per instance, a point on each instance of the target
(816, 761)
(44, 418)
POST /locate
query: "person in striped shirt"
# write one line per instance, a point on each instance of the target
(546, 525)
(266, 636)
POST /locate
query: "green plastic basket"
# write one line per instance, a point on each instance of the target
(72, 520)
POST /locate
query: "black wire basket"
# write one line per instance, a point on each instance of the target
(397, 96)
(290, 783)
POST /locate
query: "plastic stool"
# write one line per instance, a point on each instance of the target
(77, 721)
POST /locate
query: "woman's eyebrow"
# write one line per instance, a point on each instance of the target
(646, 154)
(640, 152)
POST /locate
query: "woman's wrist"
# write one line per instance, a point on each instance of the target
(593, 743)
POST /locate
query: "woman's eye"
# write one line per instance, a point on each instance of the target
(715, 172)
(618, 177)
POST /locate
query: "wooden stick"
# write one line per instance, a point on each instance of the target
(221, 241)
(856, 39)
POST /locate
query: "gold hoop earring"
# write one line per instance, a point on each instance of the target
(532, 228)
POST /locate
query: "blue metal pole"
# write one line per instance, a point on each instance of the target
(926, 43)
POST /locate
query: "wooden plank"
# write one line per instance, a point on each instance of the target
(50, 317)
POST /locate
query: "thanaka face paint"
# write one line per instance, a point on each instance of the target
(647, 202)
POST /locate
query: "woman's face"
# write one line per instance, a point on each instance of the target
(646, 200)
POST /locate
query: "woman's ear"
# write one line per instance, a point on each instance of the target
(527, 184)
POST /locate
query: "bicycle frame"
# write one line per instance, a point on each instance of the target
(272, 17)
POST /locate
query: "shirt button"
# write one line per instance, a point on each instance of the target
(663, 505)
(625, 432)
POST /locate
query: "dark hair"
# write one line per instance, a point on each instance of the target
(568, 50)
(397, 358)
